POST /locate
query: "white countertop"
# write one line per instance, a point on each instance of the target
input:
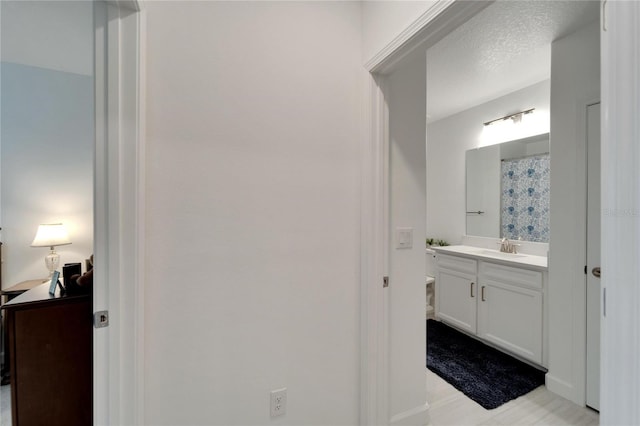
(519, 259)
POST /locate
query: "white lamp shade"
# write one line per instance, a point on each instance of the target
(51, 235)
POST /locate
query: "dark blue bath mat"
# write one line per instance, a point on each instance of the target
(484, 374)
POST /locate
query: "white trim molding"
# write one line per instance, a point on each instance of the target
(119, 214)
(428, 29)
(443, 17)
(374, 366)
(416, 416)
(620, 321)
(559, 387)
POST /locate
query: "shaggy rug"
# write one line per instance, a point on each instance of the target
(484, 374)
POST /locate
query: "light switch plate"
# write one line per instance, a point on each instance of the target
(404, 238)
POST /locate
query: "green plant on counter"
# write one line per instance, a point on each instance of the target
(436, 242)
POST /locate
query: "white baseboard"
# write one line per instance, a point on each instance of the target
(562, 388)
(418, 416)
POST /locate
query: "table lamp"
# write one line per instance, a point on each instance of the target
(51, 235)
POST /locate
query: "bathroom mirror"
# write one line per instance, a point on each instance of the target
(507, 191)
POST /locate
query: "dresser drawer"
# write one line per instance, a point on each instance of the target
(456, 263)
(511, 275)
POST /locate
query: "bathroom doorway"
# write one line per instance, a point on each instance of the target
(611, 55)
(445, 151)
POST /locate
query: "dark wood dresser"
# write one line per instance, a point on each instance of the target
(8, 294)
(51, 358)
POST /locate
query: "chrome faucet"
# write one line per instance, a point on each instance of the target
(507, 246)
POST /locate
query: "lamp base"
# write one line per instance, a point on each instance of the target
(52, 260)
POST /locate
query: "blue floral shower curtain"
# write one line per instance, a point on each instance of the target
(525, 198)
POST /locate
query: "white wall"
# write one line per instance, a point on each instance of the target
(448, 140)
(406, 292)
(56, 35)
(47, 133)
(382, 21)
(253, 135)
(575, 82)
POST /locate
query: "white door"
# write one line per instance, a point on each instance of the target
(593, 256)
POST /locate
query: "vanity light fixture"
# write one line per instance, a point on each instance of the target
(516, 118)
(519, 125)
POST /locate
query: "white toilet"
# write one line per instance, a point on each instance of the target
(430, 281)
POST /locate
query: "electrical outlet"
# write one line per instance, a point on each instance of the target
(278, 402)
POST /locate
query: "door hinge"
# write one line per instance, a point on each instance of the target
(101, 319)
(385, 282)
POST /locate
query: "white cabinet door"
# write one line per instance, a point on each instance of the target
(456, 294)
(511, 317)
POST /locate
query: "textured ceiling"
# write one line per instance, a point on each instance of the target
(504, 48)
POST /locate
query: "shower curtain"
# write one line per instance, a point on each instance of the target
(525, 198)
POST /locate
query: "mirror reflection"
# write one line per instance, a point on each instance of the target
(508, 190)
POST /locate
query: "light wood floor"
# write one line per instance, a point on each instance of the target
(5, 405)
(448, 406)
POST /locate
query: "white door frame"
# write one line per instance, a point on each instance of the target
(374, 348)
(440, 19)
(592, 259)
(119, 212)
(620, 233)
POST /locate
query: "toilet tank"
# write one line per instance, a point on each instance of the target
(431, 262)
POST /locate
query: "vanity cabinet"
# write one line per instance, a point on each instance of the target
(456, 292)
(510, 309)
(500, 304)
